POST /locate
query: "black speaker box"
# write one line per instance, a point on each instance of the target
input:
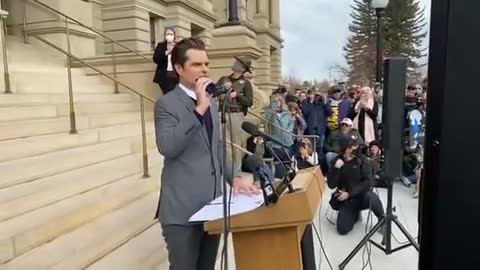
(393, 115)
(450, 209)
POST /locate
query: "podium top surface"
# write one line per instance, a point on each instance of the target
(291, 209)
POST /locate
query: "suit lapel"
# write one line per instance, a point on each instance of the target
(190, 105)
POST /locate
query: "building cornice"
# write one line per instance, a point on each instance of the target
(192, 7)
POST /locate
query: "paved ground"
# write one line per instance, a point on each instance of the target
(338, 247)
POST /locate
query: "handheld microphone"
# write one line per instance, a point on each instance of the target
(264, 174)
(252, 129)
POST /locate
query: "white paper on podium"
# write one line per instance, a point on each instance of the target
(240, 203)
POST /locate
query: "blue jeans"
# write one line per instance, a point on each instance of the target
(329, 158)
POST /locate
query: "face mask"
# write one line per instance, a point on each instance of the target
(237, 67)
(169, 38)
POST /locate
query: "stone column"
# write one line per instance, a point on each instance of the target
(275, 12)
(242, 10)
(276, 66)
(263, 71)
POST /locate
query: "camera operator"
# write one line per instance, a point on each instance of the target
(352, 177)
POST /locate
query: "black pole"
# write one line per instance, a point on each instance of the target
(380, 12)
(233, 12)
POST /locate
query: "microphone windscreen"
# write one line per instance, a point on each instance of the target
(252, 162)
(250, 128)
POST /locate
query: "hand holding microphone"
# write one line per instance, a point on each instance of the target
(203, 97)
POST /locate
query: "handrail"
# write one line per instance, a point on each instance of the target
(142, 98)
(91, 29)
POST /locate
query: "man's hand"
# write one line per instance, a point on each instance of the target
(339, 164)
(257, 140)
(203, 98)
(342, 196)
(244, 186)
(233, 94)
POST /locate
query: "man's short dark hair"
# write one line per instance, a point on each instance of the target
(179, 52)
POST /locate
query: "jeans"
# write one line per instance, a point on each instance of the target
(349, 212)
(329, 158)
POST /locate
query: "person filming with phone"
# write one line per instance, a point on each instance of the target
(352, 178)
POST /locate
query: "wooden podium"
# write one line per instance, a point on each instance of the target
(269, 236)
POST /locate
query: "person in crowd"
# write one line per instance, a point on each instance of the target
(335, 100)
(300, 124)
(297, 92)
(376, 158)
(332, 145)
(305, 156)
(352, 178)
(344, 107)
(410, 99)
(316, 112)
(302, 97)
(364, 114)
(289, 97)
(188, 137)
(240, 99)
(165, 76)
(283, 123)
(256, 146)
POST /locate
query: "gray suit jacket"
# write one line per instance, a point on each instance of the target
(192, 167)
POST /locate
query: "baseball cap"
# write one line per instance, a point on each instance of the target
(347, 121)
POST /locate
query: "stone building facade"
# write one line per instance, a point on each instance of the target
(139, 24)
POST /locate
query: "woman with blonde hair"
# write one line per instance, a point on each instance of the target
(364, 114)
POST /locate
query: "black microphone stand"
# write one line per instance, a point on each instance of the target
(226, 229)
(286, 178)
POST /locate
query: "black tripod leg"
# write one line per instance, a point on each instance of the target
(405, 232)
(367, 237)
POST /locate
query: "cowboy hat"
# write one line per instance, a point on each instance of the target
(246, 62)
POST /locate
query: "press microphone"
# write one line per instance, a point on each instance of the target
(213, 90)
(253, 130)
(264, 174)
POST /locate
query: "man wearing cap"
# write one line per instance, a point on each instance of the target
(238, 102)
(352, 178)
(332, 144)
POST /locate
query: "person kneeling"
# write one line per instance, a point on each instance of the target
(352, 177)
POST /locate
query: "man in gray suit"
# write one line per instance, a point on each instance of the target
(187, 134)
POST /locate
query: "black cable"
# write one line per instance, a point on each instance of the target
(322, 247)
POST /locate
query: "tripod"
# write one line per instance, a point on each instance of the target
(387, 237)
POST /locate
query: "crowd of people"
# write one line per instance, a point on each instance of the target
(339, 129)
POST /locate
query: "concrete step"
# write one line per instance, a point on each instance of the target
(43, 77)
(32, 168)
(115, 132)
(98, 108)
(22, 199)
(37, 228)
(45, 99)
(145, 251)
(23, 129)
(8, 114)
(30, 88)
(111, 119)
(37, 145)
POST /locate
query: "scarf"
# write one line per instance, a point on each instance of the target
(368, 128)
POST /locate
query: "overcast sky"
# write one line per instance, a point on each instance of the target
(314, 33)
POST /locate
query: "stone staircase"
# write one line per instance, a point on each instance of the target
(73, 201)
